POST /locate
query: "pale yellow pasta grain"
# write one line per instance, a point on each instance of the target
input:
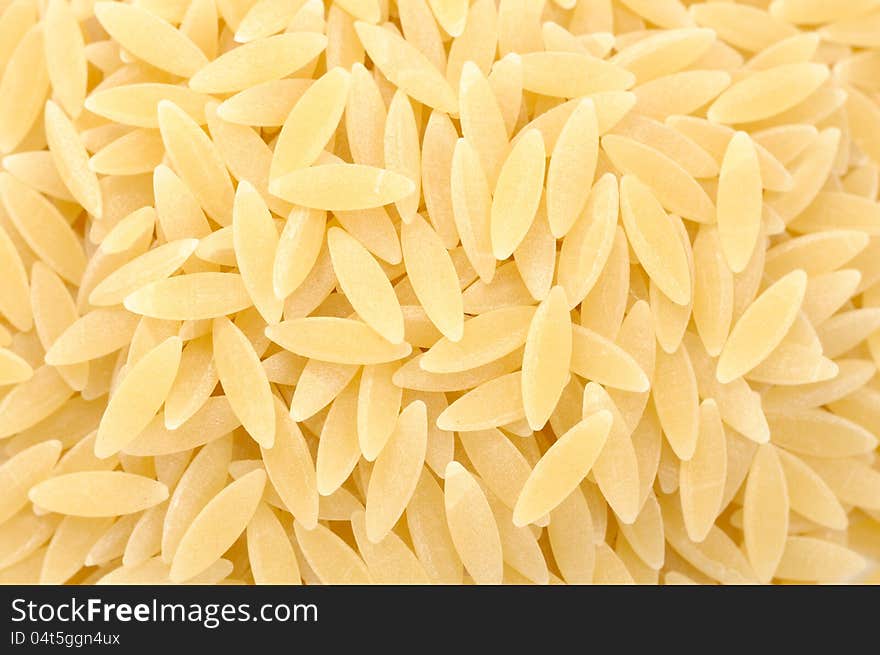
(266, 18)
(65, 56)
(196, 161)
(670, 318)
(195, 381)
(677, 404)
(262, 60)
(401, 150)
(217, 526)
(432, 542)
(244, 381)
(739, 201)
(190, 297)
(570, 75)
(338, 448)
(571, 168)
(767, 93)
(139, 151)
(635, 338)
(23, 88)
(850, 212)
(703, 476)
(616, 468)
(97, 493)
(396, 472)
(809, 495)
(378, 406)
(438, 145)
(298, 248)
(810, 559)
(603, 308)
(255, 240)
(762, 326)
(501, 466)
(24, 470)
(664, 53)
(535, 256)
(765, 512)
(405, 66)
(645, 536)
(71, 543)
(562, 468)
(749, 28)
(517, 194)
(320, 187)
(389, 560)
(679, 93)
(492, 404)
(16, 19)
(37, 170)
(137, 399)
(13, 369)
(717, 556)
(505, 78)
(54, 311)
(203, 478)
(43, 228)
(32, 400)
(137, 104)
(571, 539)
(472, 526)
(267, 104)
(433, 276)
(131, 229)
(318, 384)
(14, 295)
(150, 38)
(676, 190)
(332, 560)
(154, 265)
(419, 28)
(713, 291)
(609, 568)
(546, 358)
(482, 121)
(659, 251)
(471, 209)
(310, 123)
(270, 552)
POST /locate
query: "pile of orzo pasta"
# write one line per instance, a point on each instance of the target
(439, 291)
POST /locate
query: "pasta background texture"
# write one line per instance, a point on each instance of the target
(430, 292)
